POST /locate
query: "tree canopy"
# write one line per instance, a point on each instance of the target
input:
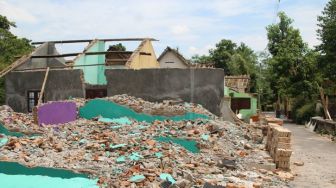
(327, 36)
(294, 74)
(10, 48)
(117, 47)
(234, 59)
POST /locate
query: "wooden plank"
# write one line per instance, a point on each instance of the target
(43, 86)
(86, 53)
(57, 68)
(324, 104)
(35, 109)
(89, 40)
(12, 66)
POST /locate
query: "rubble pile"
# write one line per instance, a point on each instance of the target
(155, 154)
(166, 108)
(18, 122)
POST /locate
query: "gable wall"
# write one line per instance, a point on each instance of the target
(145, 61)
(36, 63)
(171, 57)
(93, 74)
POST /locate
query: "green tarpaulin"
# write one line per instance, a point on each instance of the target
(108, 109)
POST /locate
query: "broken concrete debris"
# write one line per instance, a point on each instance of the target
(123, 152)
(298, 163)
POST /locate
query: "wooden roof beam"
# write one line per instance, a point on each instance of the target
(75, 54)
(89, 40)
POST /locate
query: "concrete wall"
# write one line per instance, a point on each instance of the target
(202, 86)
(61, 84)
(323, 126)
(175, 62)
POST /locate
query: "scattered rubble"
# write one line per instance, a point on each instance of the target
(298, 163)
(147, 154)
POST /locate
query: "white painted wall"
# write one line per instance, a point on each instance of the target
(171, 57)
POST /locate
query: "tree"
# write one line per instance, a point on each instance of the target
(117, 47)
(221, 55)
(10, 48)
(202, 59)
(5, 24)
(292, 66)
(264, 75)
(234, 59)
(327, 35)
(286, 47)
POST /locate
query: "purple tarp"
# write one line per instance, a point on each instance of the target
(57, 113)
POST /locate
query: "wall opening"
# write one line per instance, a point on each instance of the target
(32, 99)
(95, 93)
(240, 103)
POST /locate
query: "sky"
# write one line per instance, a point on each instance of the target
(192, 26)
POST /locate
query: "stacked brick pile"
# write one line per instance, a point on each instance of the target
(278, 145)
(274, 120)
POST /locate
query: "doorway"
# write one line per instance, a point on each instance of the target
(95, 93)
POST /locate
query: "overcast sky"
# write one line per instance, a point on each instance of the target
(194, 26)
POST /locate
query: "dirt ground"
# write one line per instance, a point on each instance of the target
(319, 156)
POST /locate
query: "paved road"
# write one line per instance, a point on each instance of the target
(319, 156)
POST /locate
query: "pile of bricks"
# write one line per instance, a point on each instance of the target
(273, 120)
(278, 145)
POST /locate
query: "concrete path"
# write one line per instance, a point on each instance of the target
(319, 157)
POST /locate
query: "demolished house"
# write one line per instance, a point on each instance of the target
(84, 77)
(123, 139)
(96, 72)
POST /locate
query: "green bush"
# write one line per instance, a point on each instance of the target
(304, 113)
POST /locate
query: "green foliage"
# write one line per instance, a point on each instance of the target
(222, 54)
(11, 47)
(293, 68)
(234, 59)
(5, 23)
(284, 38)
(117, 47)
(327, 33)
(267, 96)
(303, 111)
(202, 59)
(287, 49)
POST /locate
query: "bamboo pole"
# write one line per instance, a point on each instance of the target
(324, 104)
(35, 109)
(43, 86)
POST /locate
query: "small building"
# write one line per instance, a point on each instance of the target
(171, 58)
(241, 102)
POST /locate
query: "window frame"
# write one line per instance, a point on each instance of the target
(33, 99)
